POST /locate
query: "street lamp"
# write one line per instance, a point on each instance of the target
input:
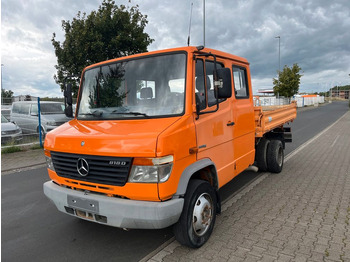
(1, 74)
(204, 23)
(279, 54)
(279, 60)
(2, 98)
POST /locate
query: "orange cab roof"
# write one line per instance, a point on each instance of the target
(189, 49)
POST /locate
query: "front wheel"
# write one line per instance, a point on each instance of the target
(198, 216)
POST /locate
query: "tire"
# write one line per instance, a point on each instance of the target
(261, 154)
(198, 216)
(275, 156)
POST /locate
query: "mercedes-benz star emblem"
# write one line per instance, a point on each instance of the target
(82, 167)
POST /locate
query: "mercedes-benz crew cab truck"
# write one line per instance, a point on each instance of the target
(156, 135)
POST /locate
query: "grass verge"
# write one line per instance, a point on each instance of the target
(11, 149)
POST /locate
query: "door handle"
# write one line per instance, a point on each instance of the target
(230, 123)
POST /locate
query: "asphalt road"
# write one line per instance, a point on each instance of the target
(33, 230)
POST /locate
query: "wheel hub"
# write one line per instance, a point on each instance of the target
(202, 214)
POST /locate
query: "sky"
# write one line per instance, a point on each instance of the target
(314, 34)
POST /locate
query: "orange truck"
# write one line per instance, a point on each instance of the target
(156, 135)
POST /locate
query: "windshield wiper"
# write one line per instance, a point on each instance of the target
(95, 113)
(129, 113)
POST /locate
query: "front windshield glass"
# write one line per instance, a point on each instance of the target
(141, 88)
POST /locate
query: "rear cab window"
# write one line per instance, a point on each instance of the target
(240, 82)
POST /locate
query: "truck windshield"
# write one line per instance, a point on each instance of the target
(140, 88)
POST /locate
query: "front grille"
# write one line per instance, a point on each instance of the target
(102, 169)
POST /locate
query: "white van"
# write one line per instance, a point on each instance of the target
(25, 115)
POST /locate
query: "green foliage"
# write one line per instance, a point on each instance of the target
(110, 32)
(336, 88)
(6, 93)
(289, 80)
(11, 149)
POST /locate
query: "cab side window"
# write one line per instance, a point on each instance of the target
(240, 82)
(205, 96)
(209, 70)
(200, 85)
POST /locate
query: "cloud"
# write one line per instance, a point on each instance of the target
(313, 34)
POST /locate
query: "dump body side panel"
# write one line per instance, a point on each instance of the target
(267, 119)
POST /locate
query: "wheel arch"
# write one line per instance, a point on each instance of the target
(42, 127)
(203, 169)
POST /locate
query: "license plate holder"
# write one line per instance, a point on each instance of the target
(83, 204)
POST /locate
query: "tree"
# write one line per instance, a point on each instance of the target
(288, 82)
(27, 98)
(6, 93)
(6, 96)
(110, 32)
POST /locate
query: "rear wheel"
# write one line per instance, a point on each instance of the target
(198, 216)
(261, 154)
(275, 156)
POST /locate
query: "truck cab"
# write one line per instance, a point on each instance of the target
(154, 137)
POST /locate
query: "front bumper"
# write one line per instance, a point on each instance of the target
(117, 212)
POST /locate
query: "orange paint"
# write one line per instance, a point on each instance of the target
(226, 137)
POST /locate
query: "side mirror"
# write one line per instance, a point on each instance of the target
(68, 111)
(223, 83)
(68, 101)
(68, 94)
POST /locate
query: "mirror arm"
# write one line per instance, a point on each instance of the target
(207, 112)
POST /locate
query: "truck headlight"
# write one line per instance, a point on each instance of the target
(48, 158)
(151, 170)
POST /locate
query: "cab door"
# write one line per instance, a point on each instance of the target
(214, 130)
(243, 114)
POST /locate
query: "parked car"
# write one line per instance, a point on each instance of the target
(25, 114)
(10, 132)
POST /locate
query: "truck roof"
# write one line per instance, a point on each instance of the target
(189, 49)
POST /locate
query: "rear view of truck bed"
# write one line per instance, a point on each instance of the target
(269, 118)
